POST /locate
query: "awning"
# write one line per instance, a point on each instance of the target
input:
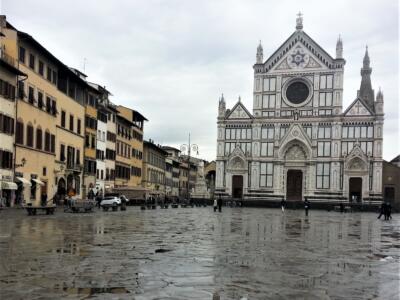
(38, 181)
(24, 181)
(6, 185)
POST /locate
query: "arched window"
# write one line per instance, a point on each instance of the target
(29, 135)
(19, 132)
(47, 141)
(39, 138)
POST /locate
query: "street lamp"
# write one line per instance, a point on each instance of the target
(189, 148)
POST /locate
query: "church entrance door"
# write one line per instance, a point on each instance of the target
(237, 186)
(355, 188)
(294, 185)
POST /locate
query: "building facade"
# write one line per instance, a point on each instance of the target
(173, 156)
(298, 143)
(154, 168)
(9, 75)
(111, 139)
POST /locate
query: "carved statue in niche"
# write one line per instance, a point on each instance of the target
(295, 152)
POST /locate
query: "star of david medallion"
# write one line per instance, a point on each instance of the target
(298, 58)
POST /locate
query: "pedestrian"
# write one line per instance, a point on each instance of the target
(306, 206)
(388, 214)
(283, 204)
(215, 205)
(382, 210)
(219, 203)
(44, 199)
(341, 207)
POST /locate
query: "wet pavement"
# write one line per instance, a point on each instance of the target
(194, 253)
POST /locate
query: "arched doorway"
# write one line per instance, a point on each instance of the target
(237, 186)
(355, 189)
(294, 185)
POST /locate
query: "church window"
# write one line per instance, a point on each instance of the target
(323, 175)
(371, 170)
(257, 84)
(268, 101)
(325, 99)
(267, 133)
(341, 175)
(357, 132)
(363, 132)
(267, 149)
(324, 132)
(324, 149)
(308, 130)
(227, 134)
(351, 132)
(326, 82)
(269, 114)
(283, 130)
(370, 133)
(266, 174)
(305, 113)
(286, 113)
(270, 84)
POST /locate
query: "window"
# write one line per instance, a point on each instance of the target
(78, 127)
(325, 99)
(19, 135)
(268, 101)
(283, 130)
(22, 54)
(54, 79)
(269, 114)
(62, 152)
(70, 157)
(21, 89)
(63, 119)
(47, 141)
(326, 82)
(238, 133)
(40, 100)
(267, 133)
(49, 73)
(270, 84)
(31, 95)
(39, 138)
(266, 174)
(53, 107)
(71, 122)
(53, 143)
(87, 140)
(93, 141)
(41, 68)
(324, 149)
(29, 135)
(308, 130)
(324, 132)
(48, 104)
(78, 157)
(267, 149)
(32, 61)
(6, 159)
(323, 175)
(6, 124)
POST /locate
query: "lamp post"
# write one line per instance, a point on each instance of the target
(189, 148)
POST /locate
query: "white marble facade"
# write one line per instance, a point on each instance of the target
(298, 142)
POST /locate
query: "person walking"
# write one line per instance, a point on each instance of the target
(283, 204)
(219, 203)
(382, 210)
(388, 214)
(215, 205)
(306, 206)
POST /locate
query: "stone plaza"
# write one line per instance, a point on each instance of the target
(194, 253)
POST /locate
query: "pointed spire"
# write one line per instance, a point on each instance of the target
(240, 100)
(379, 96)
(366, 92)
(259, 55)
(339, 48)
(299, 21)
(366, 60)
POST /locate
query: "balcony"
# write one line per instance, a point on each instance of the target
(8, 59)
(74, 167)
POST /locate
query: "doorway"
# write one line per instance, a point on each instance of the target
(237, 186)
(389, 194)
(294, 185)
(355, 188)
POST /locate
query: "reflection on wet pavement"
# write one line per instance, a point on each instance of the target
(194, 253)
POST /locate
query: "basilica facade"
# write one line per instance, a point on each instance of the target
(299, 142)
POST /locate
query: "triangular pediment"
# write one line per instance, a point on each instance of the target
(299, 58)
(295, 135)
(239, 111)
(314, 56)
(358, 108)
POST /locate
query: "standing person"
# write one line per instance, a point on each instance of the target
(382, 210)
(219, 203)
(215, 205)
(341, 207)
(388, 214)
(283, 204)
(306, 206)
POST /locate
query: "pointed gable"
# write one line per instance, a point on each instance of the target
(295, 133)
(358, 108)
(239, 111)
(320, 58)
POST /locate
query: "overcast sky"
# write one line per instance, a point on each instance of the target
(171, 60)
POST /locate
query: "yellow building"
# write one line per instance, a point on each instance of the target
(123, 160)
(136, 143)
(90, 142)
(154, 168)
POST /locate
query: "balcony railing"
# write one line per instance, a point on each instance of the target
(7, 58)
